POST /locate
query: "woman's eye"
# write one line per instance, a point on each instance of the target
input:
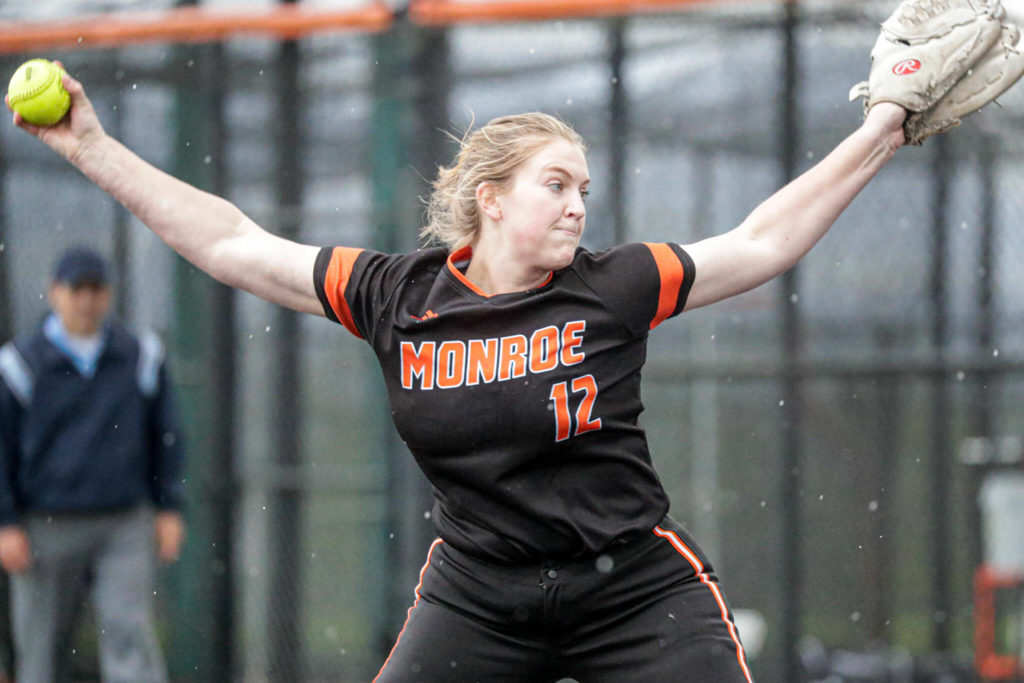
(584, 193)
(555, 187)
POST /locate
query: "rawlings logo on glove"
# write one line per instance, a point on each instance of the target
(942, 60)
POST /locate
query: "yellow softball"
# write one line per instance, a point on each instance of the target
(37, 93)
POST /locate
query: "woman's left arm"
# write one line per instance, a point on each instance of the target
(785, 226)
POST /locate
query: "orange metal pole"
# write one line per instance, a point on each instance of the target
(197, 24)
(186, 24)
(442, 12)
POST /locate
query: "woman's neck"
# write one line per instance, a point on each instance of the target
(495, 273)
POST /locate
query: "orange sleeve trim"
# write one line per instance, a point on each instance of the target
(671, 274)
(339, 270)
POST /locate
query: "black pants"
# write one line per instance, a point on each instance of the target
(650, 610)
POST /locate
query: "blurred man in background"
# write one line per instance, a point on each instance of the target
(90, 465)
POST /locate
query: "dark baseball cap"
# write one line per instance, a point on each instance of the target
(79, 266)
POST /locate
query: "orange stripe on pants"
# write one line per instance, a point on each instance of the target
(698, 567)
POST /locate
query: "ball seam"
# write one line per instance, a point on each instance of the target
(29, 94)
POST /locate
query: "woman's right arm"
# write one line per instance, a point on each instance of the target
(210, 232)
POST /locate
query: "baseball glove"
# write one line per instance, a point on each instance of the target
(941, 60)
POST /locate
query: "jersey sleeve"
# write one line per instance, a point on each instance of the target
(353, 284)
(675, 277)
(332, 273)
(644, 283)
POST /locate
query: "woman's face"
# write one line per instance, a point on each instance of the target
(542, 210)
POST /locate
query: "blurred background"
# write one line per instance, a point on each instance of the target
(845, 442)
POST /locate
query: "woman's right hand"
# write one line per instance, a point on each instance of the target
(71, 136)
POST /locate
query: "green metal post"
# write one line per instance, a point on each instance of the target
(619, 131)
(410, 90)
(285, 516)
(389, 157)
(203, 363)
(791, 438)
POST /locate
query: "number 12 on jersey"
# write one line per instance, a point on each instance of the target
(564, 417)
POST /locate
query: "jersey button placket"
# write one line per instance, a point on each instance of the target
(549, 584)
(549, 573)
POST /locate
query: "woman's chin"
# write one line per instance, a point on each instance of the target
(564, 260)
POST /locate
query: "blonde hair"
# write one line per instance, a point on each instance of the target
(491, 153)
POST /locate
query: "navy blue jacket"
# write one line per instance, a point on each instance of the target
(72, 443)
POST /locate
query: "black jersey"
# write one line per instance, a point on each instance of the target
(520, 408)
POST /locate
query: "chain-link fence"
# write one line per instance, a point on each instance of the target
(808, 432)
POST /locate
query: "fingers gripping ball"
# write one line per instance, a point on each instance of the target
(37, 93)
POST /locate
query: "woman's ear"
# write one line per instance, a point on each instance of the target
(487, 198)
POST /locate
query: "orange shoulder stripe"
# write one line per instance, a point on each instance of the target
(670, 270)
(338, 273)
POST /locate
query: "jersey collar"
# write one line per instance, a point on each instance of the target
(461, 258)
